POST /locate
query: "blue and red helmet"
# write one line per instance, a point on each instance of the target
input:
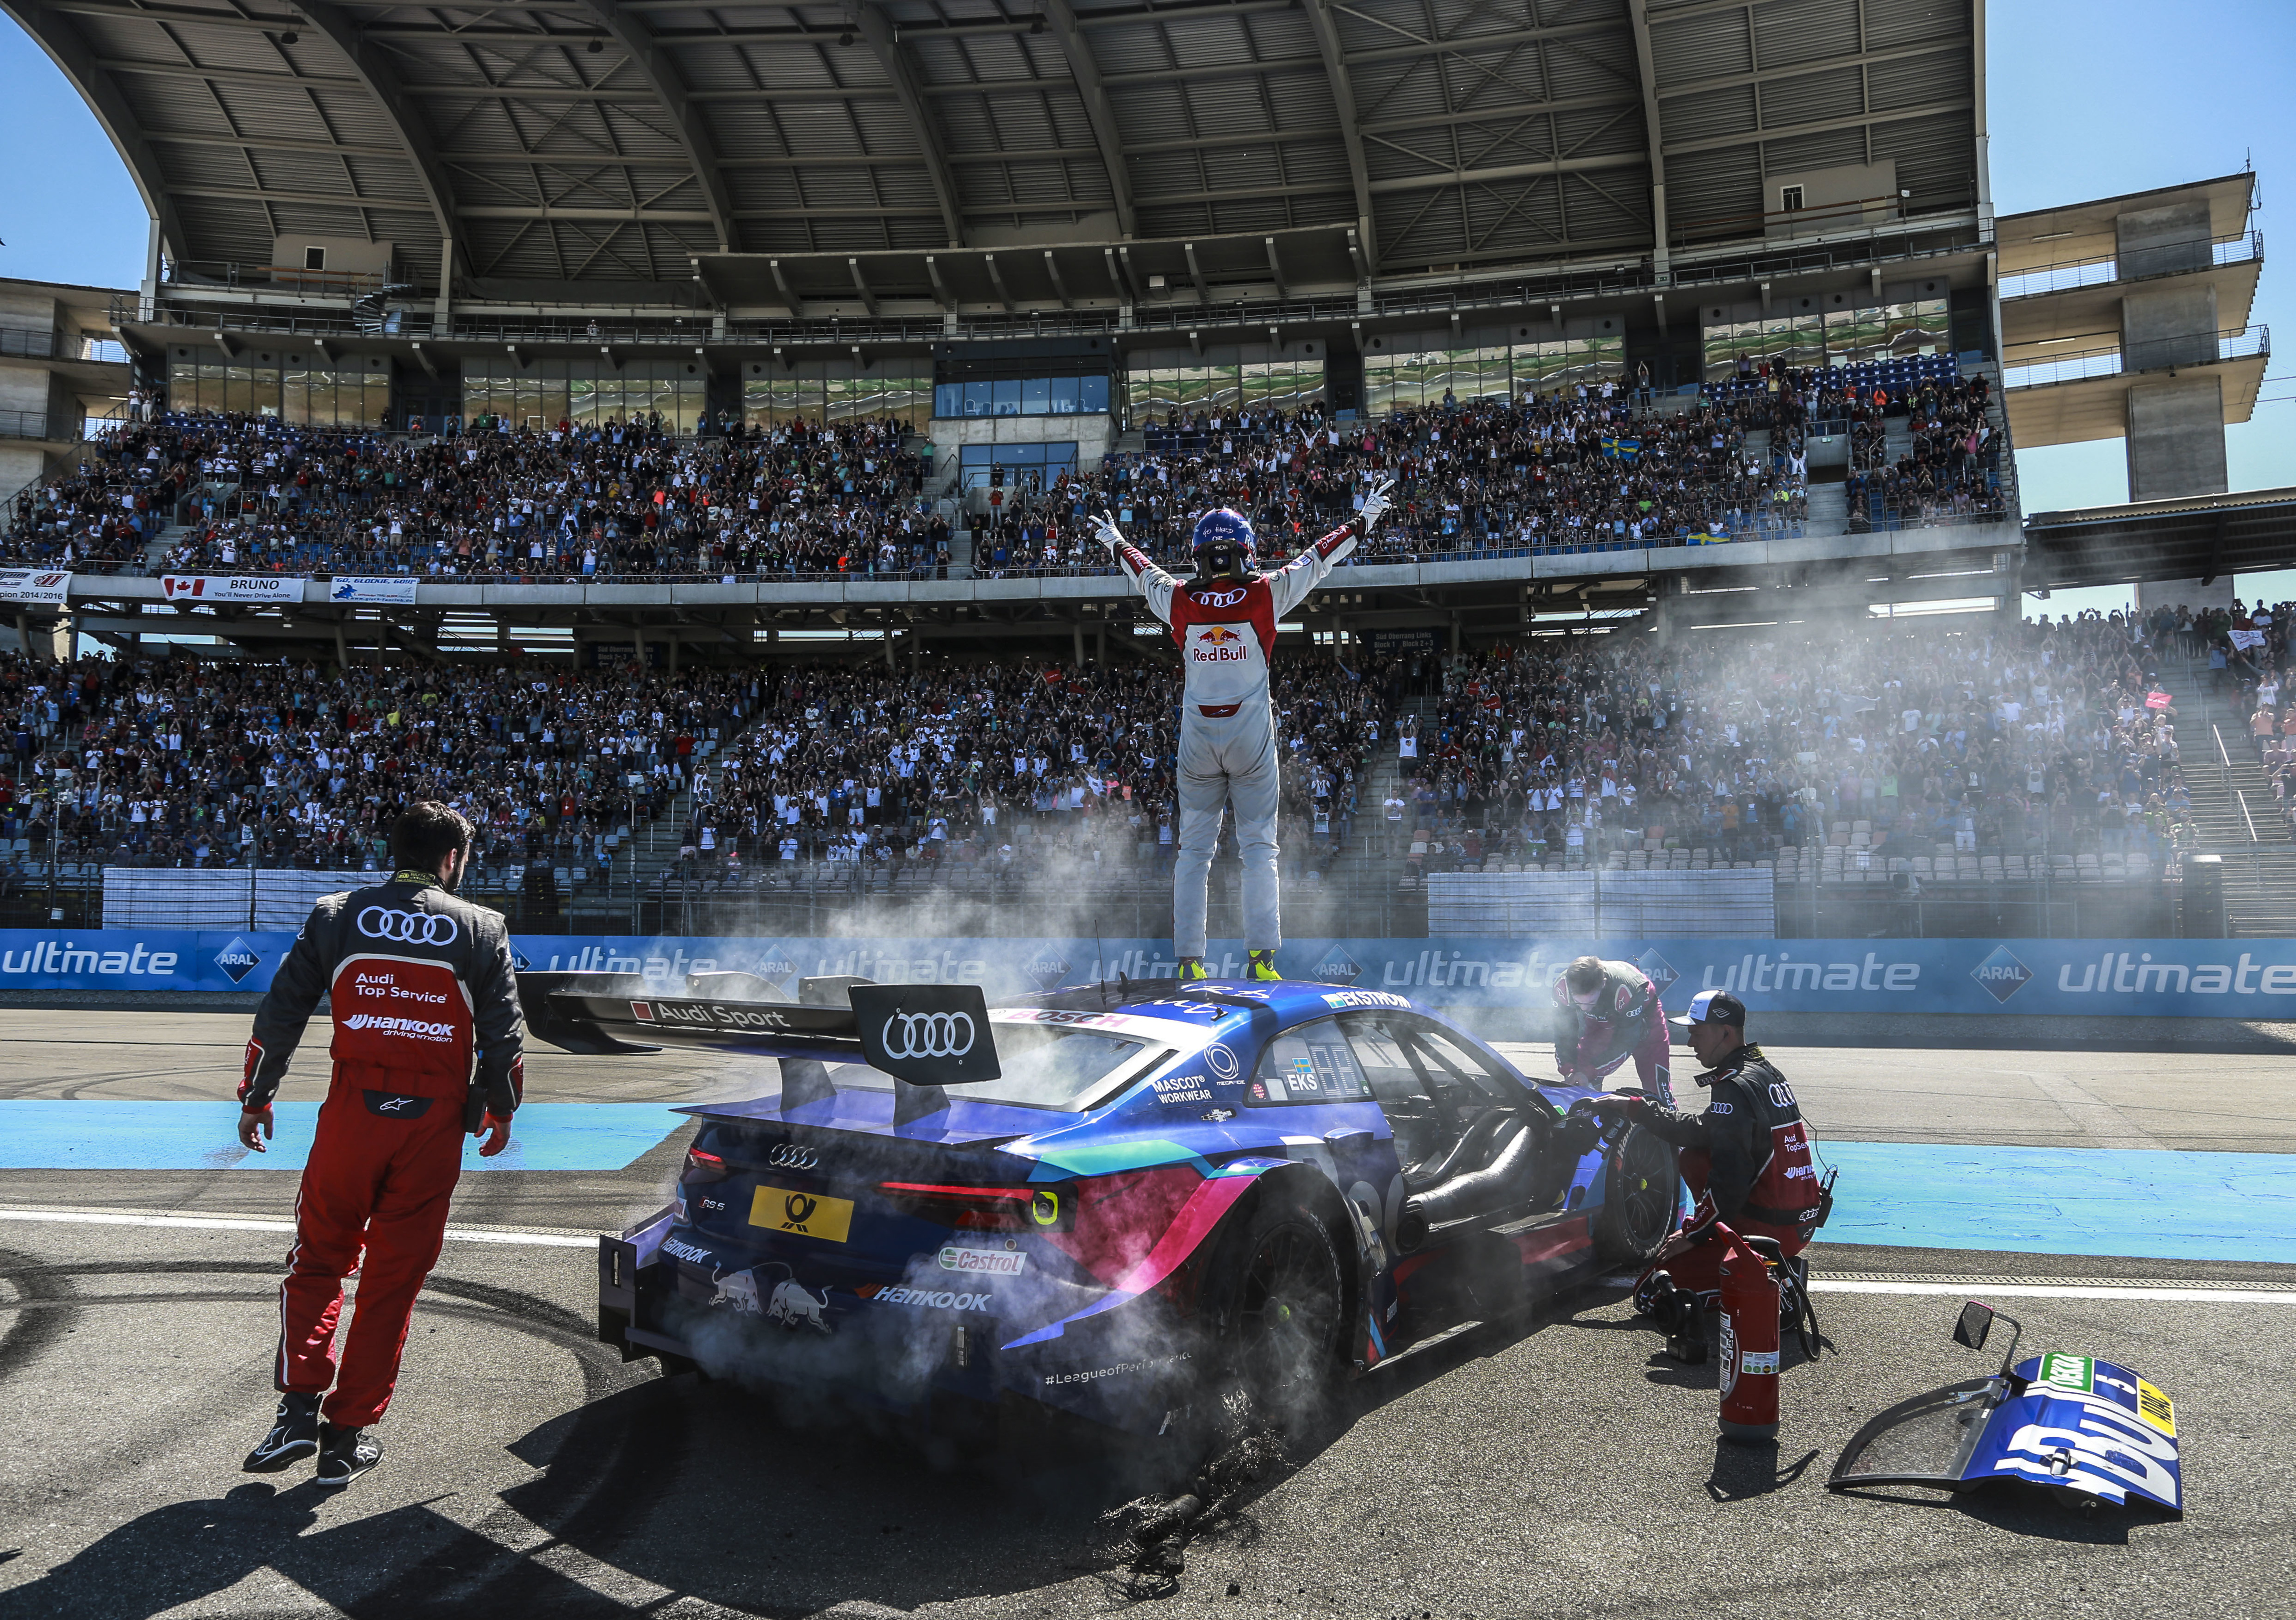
(1223, 546)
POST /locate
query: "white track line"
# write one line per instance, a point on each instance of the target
(2024, 1290)
(218, 1223)
(2166, 1294)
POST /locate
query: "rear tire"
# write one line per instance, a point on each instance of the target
(1639, 1200)
(1276, 1301)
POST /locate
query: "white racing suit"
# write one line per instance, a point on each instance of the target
(1226, 634)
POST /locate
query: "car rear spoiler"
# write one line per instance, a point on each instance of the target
(927, 1036)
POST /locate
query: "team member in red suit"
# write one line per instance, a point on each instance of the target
(421, 988)
(1611, 1012)
(1224, 621)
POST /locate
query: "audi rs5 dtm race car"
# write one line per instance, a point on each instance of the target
(1111, 1201)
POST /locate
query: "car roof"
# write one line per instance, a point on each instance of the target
(1290, 1000)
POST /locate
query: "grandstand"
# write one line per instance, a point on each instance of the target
(669, 432)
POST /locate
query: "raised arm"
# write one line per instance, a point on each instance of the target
(1291, 583)
(1151, 581)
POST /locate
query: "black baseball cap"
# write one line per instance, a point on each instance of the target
(1715, 1006)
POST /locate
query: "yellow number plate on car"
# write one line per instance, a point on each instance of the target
(780, 1209)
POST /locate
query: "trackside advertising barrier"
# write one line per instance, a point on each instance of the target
(2125, 978)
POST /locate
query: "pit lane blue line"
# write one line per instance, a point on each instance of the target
(2147, 1203)
(44, 1133)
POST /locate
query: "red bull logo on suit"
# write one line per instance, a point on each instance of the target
(1219, 644)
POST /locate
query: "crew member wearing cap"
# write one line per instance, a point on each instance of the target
(1747, 1157)
(1611, 1012)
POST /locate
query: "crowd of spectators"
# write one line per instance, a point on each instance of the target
(106, 509)
(1587, 469)
(607, 501)
(2247, 650)
(2034, 738)
(996, 762)
(1483, 478)
(173, 762)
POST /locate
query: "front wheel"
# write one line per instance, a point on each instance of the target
(1276, 1300)
(1639, 1200)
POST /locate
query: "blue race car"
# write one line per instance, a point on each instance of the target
(1117, 1201)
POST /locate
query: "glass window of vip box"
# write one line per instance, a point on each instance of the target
(588, 392)
(1049, 396)
(1161, 393)
(835, 390)
(1034, 465)
(299, 388)
(1861, 336)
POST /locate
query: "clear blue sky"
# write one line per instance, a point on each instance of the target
(2089, 98)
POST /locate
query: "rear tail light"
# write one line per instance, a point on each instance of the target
(701, 1166)
(983, 1209)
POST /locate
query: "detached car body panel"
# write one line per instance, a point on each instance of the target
(1044, 1236)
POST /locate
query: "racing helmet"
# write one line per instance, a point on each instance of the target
(1223, 546)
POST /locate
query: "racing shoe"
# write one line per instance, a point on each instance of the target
(1192, 968)
(1263, 966)
(345, 1454)
(294, 1433)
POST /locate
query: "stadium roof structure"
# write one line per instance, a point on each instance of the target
(1002, 155)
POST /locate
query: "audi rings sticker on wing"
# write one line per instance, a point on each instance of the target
(408, 927)
(789, 1156)
(928, 1034)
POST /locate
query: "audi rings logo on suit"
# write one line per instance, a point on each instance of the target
(927, 1035)
(408, 927)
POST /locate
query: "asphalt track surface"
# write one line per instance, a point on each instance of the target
(1556, 1465)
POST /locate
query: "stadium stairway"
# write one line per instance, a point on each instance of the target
(1375, 855)
(1829, 507)
(155, 553)
(2224, 771)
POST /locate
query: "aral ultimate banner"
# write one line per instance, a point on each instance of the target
(2152, 978)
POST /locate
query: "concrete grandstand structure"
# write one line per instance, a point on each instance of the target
(763, 209)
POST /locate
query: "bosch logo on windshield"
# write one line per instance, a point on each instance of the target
(927, 1035)
(407, 927)
(789, 1156)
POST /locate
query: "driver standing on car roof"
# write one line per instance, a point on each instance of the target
(419, 985)
(1611, 1012)
(1225, 621)
(1747, 1158)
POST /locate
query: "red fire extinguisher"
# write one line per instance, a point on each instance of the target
(1750, 1345)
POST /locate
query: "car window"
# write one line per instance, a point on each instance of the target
(1068, 1069)
(1308, 1065)
(1462, 1064)
(1422, 1126)
(1386, 1067)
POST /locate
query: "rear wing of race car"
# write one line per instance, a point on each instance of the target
(926, 1036)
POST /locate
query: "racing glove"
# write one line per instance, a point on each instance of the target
(1104, 529)
(1629, 1106)
(496, 1130)
(1375, 504)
